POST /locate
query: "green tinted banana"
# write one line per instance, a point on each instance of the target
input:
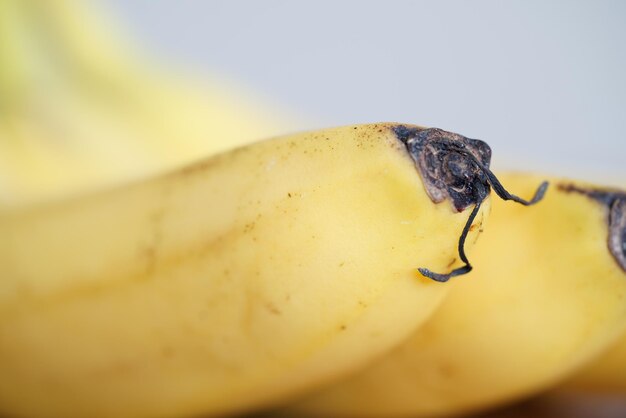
(547, 294)
(235, 282)
(81, 109)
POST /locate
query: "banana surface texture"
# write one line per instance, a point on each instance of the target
(606, 374)
(547, 294)
(236, 282)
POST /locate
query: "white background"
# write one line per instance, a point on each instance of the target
(543, 82)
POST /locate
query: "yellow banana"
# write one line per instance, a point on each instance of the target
(607, 372)
(237, 281)
(547, 295)
(80, 110)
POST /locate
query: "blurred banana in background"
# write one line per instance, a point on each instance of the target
(546, 296)
(81, 109)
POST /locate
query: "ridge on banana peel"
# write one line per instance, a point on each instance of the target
(235, 283)
(605, 374)
(547, 295)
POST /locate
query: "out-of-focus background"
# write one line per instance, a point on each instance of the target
(543, 82)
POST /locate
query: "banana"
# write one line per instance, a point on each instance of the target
(547, 295)
(237, 281)
(607, 372)
(81, 109)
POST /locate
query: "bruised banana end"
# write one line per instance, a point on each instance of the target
(547, 294)
(235, 283)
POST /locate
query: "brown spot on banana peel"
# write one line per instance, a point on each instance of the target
(615, 203)
(455, 168)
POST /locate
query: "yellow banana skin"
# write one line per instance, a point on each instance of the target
(234, 283)
(546, 296)
(606, 374)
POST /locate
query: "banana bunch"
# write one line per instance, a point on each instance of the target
(156, 261)
(165, 286)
